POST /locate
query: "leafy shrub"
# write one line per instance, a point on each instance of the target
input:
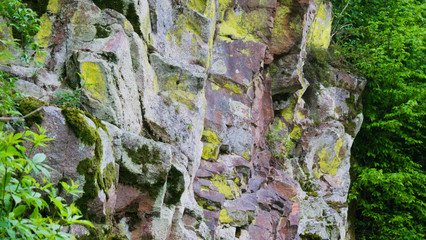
(30, 209)
(8, 95)
(384, 41)
(24, 24)
(70, 99)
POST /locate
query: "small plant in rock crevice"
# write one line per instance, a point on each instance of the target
(279, 142)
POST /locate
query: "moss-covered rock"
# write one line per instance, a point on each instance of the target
(310, 236)
(316, 68)
(175, 186)
(75, 119)
(28, 105)
(144, 155)
(90, 168)
(127, 8)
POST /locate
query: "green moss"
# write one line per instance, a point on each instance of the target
(337, 205)
(102, 31)
(132, 179)
(144, 155)
(109, 175)
(90, 168)
(310, 236)
(308, 186)
(90, 172)
(28, 105)
(175, 186)
(207, 204)
(126, 8)
(273, 70)
(316, 67)
(100, 232)
(133, 18)
(74, 118)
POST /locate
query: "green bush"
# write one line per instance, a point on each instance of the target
(31, 209)
(385, 41)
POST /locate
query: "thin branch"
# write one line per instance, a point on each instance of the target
(343, 10)
(7, 119)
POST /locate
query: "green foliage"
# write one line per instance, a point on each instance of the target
(385, 41)
(71, 99)
(31, 209)
(279, 142)
(24, 24)
(8, 95)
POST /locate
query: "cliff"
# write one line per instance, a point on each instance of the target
(201, 119)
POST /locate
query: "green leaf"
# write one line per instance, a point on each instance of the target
(19, 210)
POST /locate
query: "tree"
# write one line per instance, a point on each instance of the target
(385, 42)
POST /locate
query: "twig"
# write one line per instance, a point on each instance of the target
(7, 119)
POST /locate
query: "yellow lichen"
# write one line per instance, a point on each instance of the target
(224, 217)
(128, 26)
(211, 145)
(184, 97)
(210, 136)
(300, 115)
(279, 33)
(288, 112)
(155, 84)
(43, 36)
(222, 185)
(40, 57)
(94, 80)
(233, 87)
(197, 5)
(328, 165)
(319, 34)
(296, 133)
(246, 52)
(317, 174)
(204, 188)
(242, 25)
(210, 151)
(246, 156)
(54, 6)
(280, 125)
(146, 28)
(215, 86)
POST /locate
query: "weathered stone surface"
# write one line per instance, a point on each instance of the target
(75, 152)
(188, 91)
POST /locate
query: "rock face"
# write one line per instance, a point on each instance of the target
(203, 119)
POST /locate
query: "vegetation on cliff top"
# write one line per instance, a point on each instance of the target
(385, 41)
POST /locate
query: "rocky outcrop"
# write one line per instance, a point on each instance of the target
(202, 119)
